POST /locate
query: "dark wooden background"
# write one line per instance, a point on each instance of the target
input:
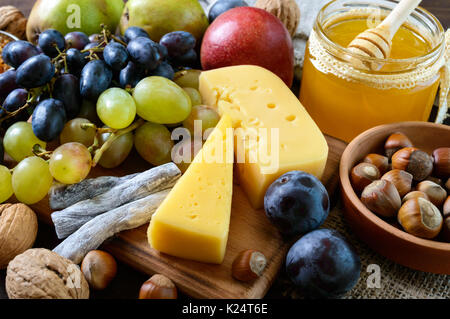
(128, 281)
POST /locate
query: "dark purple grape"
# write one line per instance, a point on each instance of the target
(49, 118)
(95, 78)
(116, 56)
(188, 59)
(15, 100)
(76, 61)
(131, 75)
(222, 6)
(178, 43)
(135, 32)
(77, 40)
(96, 38)
(144, 52)
(163, 51)
(7, 84)
(51, 39)
(164, 70)
(323, 264)
(17, 52)
(297, 202)
(67, 90)
(95, 45)
(35, 72)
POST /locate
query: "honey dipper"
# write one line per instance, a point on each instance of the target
(377, 42)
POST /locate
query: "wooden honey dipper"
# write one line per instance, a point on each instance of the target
(377, 42)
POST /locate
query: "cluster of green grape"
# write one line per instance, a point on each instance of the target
(141, 117)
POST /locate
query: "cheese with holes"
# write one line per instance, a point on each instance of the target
(193, 221)
(274, 133)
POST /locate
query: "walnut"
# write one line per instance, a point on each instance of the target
(285, 10)
(43, 274)
(13, 21)
(18, 230)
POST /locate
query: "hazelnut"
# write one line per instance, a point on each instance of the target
(396, 142)
(382, 198)
(441, 158)
(446, 210)
(445, 232)
(414, 161)
(158, 287)
(249, 265)
(420, 218)
(435, 192)
(434, 180)
(402, 180)
(380, 161)
(362, 175)
(99, 269)
(414, 194)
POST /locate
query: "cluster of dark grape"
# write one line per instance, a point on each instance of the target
(54, 77)
(94, 95)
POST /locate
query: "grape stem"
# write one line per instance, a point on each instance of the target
(118, 40)
(39, 151)
(32, 97)
(112, 138)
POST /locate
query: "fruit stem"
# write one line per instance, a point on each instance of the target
(39, 151)
(118, 40)
(112, 138)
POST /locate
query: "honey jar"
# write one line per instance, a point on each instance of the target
(345, 98)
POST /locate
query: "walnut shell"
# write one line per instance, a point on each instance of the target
(18, 230)
(42, 274)
(285, 10)
(13, 21)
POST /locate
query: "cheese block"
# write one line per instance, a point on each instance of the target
(193, 221)
(274, 133)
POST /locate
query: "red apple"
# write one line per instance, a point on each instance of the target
(247, 35)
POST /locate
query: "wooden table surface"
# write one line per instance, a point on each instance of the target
(128, 281)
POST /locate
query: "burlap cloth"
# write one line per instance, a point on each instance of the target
(397, 282)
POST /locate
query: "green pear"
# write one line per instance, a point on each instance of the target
(159, 17)
(73, 15)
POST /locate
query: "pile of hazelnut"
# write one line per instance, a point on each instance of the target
(409, 184)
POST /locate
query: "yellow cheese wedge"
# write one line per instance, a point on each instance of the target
(194, 219)
(274, 133)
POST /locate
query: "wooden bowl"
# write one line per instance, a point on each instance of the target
(380, 235)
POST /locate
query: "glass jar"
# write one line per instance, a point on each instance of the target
(345, 99)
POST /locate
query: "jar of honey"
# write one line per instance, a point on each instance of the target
(345, 98)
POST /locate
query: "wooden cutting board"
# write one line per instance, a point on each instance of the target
(249, 229)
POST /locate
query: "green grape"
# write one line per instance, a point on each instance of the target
(31, 180)
(185, 152)
(187, 78)
(70, 163)
(19, 141)
(153, 142)
(161, 101)
(118, 152)
(6, 189)
(116, 108)
(208, 117)
(89, 111)
(196, 98)
(73, 132)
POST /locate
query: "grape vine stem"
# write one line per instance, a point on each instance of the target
(99, 153)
